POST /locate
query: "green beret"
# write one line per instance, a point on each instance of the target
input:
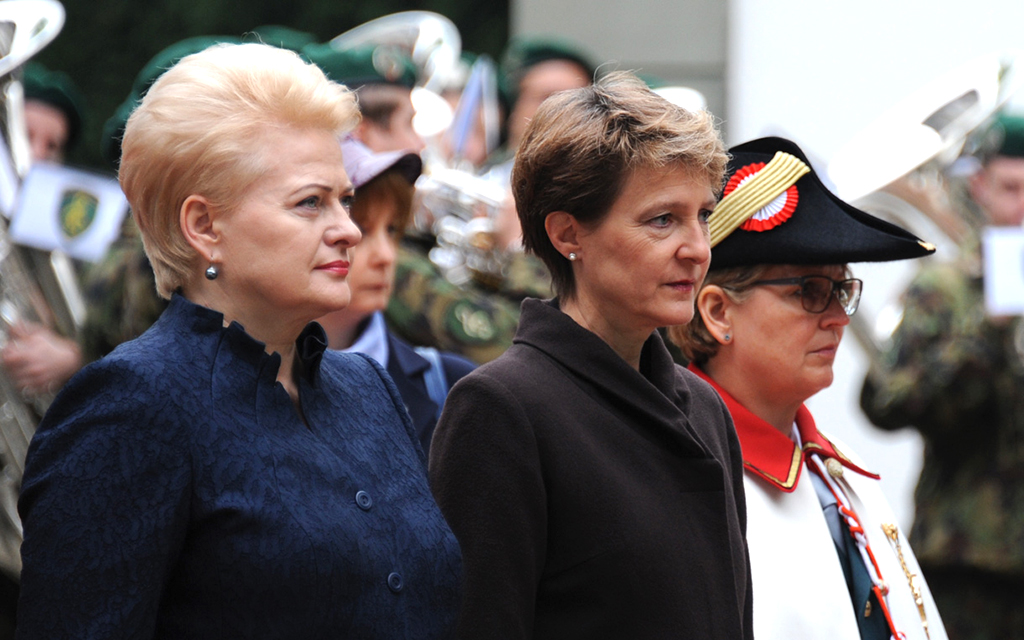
(1009, 130)
(56, 89)
(361, 66)
(280, 36)
(526, 51)
(170, 56)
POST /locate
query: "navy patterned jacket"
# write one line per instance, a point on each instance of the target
(172, 491)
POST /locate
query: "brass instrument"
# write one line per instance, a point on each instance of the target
(453, 205)
(33, 285)
(460, 209)
(430, 39)
(903, 168)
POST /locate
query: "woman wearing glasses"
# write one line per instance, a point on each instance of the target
(826, 558)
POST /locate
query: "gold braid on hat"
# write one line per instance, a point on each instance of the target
(754, 194)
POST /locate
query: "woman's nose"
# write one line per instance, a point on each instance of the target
(343, 231)
(834, 314)
(696, 244)
(380, 248)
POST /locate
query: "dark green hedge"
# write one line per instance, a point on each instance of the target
(104, 43)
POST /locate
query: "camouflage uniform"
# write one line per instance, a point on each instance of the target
(121, 297)
(426, 309)
(957, 376)
(525, 276)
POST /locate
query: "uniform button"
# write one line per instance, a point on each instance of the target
(364, 500)
(395, 582)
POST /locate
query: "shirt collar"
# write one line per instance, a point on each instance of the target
(373, 341)
(770, 454)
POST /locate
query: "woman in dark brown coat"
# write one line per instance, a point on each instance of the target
(595, 487)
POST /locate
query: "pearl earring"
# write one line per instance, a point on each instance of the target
(572, 256)
(212, 272)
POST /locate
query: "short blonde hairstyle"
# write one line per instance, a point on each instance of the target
(198, 131)
(582, 145)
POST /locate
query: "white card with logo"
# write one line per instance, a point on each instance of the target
(1003, 249)
(76, 211)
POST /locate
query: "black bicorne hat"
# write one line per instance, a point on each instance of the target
(775, 210)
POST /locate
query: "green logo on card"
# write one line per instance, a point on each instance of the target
(77, 211)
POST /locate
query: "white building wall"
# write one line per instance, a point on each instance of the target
(683, 42)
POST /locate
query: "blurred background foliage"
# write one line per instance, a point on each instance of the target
(104, 43)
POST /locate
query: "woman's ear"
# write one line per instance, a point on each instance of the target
(714, 305)
(562, 228)
(197, 224)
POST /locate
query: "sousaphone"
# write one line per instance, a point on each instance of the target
(434, 45)
(454, 206)
(31, 282)
(900, 168)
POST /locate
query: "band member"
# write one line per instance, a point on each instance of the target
(956, 374)
(383, 78)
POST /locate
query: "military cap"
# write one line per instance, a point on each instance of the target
(775, 210)
(526, 51)
(360, 66)
(113, 128)
(56, 89)
(363, 165)
(1008, 135)
(280, 36)
(170, 56)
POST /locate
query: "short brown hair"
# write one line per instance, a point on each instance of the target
(389, 188)
(583, 144)
(694, 339)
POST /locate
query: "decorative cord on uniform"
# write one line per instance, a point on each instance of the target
(879, 586)
(893, 533)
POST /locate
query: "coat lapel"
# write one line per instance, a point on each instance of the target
(406, 367)
(652, 398)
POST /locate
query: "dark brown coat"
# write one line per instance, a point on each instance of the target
(592, 501)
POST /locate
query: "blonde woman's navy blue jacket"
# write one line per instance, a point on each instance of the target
(592, 500)
(172, 491)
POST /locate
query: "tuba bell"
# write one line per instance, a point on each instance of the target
(455, 208)
(35, 286)
(903, 167)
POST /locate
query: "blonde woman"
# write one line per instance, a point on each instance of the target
(223, 475)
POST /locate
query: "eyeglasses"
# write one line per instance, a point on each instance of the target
(816, 292)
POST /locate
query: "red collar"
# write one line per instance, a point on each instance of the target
(771, 455)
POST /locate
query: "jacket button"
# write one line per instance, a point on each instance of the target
(395, 582)
(364, 500)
